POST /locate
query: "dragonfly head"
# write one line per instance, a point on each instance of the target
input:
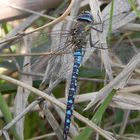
(85, 17)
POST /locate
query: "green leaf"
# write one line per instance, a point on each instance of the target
(7, 115)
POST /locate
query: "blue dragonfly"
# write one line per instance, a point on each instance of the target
(79, 39)
(76, 40)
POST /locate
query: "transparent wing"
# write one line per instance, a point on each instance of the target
(54, 64)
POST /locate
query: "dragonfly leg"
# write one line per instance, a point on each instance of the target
(100, 22)
(100, 31)
(94, 44)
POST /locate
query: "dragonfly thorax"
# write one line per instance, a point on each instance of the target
(80, 34)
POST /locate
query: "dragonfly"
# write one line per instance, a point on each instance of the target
(76, 41)
(79, 39)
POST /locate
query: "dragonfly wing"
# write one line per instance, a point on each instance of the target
(59, 65)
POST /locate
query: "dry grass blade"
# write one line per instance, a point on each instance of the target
(54, 124)
(22, 95)
(126, 101)
(103, 44)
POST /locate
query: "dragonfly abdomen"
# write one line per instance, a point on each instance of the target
(78, 55)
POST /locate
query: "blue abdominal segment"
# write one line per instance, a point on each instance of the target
(78, 55)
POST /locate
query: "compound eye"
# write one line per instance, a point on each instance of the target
(85, 17)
